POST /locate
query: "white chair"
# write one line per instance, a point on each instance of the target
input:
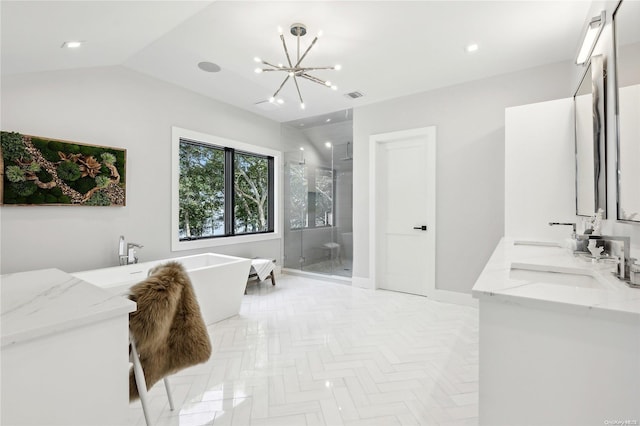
(167, 327)
(141, 383)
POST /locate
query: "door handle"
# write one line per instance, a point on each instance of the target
(422, 228)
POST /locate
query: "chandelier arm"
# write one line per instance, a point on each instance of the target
(306, 51)
(277, 68)
(314, 79)
(281, 86)
(298, 89)
(305, 69)
(286, 51)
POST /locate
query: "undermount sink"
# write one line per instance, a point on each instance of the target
(556, 278)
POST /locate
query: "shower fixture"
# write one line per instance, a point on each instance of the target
(348, 157)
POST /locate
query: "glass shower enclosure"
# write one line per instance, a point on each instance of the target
(318, 209)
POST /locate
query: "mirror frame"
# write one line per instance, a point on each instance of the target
(595, 68)
(617, 118)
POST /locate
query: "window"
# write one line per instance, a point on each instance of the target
(251, 192)
(223, 191)
(298, 188)
(201, 191)
(324, 197)
(311, 196)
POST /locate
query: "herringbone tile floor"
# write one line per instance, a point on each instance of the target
(309, 352)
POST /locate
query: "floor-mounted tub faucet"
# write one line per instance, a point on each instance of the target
(127, 257)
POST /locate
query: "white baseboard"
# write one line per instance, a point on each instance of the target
(322, 277)
(361, 282)
(454, 297)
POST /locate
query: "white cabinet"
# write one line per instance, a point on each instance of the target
(548, 367)
(64, 354)
(553, 351)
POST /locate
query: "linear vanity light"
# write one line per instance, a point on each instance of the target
(590, 38)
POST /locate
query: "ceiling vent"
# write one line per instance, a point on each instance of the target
(354, 95)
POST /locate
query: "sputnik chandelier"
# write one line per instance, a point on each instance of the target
(295, 70)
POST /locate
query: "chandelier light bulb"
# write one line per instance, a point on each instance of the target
(258, 60)
(320, 33)
(272, 99)
(258, 70)
(337, 67)
(334, 87)
(279, 30)
(279, 65)
(290, 73)
(280, 101)
(302, 105)
(327, 83)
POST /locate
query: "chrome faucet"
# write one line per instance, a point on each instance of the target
(573, 234)
(625, 260)
(129, 256)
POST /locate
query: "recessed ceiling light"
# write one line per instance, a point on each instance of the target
(327, 144)
(209, 66)
(471, 48)
(328, 120)
(71, 44)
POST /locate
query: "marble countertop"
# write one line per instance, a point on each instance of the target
(524, 274)
(47, 301)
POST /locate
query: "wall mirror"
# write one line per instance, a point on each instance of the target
(589, 107)
(626, 20)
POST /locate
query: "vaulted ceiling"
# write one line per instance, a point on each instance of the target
(386, 49)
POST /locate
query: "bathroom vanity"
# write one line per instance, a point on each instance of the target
(559, 339)
(64, 351)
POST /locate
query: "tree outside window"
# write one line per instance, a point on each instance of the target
(298, 189)
(251, 184)
(324, 197)
(206, 192)
(201, 191)
(311, 194)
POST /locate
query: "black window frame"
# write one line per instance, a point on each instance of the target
(229, 191)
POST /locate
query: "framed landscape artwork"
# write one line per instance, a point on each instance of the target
(42, 171)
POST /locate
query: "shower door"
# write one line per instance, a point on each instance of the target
(318, 205)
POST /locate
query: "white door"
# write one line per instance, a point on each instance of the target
(404, 211)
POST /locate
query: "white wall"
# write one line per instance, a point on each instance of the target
(116, 107)
(470, 163)
(539, 170)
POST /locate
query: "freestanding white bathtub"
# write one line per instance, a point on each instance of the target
(218, 281)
